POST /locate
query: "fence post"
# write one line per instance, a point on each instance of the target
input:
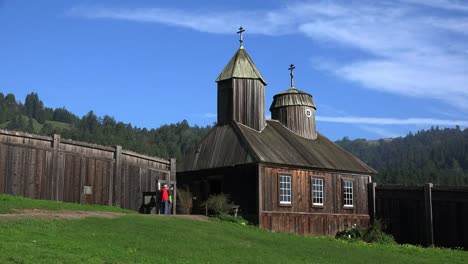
(117, 175)
(172, 177)
(371, 196)
(55, 167)
(428, 214)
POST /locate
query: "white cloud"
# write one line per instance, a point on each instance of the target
(408, 50)
(456, 5)
(379, 131)
(210, 115)
(392, 121)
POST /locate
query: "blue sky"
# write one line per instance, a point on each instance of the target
(375, 69)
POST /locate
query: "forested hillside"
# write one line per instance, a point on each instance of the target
(167, 141)
(437, 155)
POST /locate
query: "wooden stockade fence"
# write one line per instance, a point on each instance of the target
(52, 168)
(422, 215)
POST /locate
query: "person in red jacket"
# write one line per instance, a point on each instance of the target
(165, 200)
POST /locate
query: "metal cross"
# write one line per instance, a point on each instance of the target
(241, 30)
(291, 68)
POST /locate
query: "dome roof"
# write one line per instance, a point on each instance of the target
(292, 97)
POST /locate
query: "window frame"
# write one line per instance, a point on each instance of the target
(347, 197)
(312, 178)
(285, 203)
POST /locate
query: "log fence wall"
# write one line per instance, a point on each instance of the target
(52, 168)
(422, 215)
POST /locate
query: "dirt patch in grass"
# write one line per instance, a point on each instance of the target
(64, 214)
(71, 214)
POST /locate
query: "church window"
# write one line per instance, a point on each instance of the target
(347, 193)
(317, 191)
(285, 191)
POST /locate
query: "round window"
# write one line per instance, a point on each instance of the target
(308, 112)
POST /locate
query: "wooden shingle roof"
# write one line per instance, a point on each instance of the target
(235, 144)
(292, 97)
(240, 66)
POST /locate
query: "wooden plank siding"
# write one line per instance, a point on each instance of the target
(242, 100)
(301, 216)
(54, 169)
(295, 118)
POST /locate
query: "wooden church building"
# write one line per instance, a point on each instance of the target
(284, 175)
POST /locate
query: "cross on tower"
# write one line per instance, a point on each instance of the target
(241, 40)
(291, 68)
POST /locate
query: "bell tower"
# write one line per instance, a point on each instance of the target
(241, 91)
(295, 109)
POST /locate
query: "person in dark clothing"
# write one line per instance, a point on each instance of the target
(165, 200)
(171, 197)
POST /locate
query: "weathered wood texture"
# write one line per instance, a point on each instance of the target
(310, 224)
(295, 118)
(302, 216)
(50, 168)
(243, 101)
(404, 210)
(220, 148)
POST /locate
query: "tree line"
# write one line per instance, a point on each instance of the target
(167, 141)
(436, 155)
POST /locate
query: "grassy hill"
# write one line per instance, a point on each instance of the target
(136, 238)
(38, 126)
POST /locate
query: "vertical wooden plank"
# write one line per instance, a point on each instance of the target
(31, 187)
(90, 180)
(48, 177)
(40, 161)
(260, 177)
(3, 163)
(8, 170)
(55, 166)
(428, 214)
(371, 200)
(23, 169)
(98, 183)
(153, 180)
(110, 169)
(172, 176)
(117, 176)
(14, 174)
(61, 176)
(83, 177)
(105, 184)
(77, 179)
(125, 186)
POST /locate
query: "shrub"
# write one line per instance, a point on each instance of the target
(371, 234)
(374, 234)
(184, 201)
(353, 233)
(219, 204)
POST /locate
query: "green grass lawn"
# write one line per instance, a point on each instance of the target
(60, 125)
(9, 202)
(157, 239)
